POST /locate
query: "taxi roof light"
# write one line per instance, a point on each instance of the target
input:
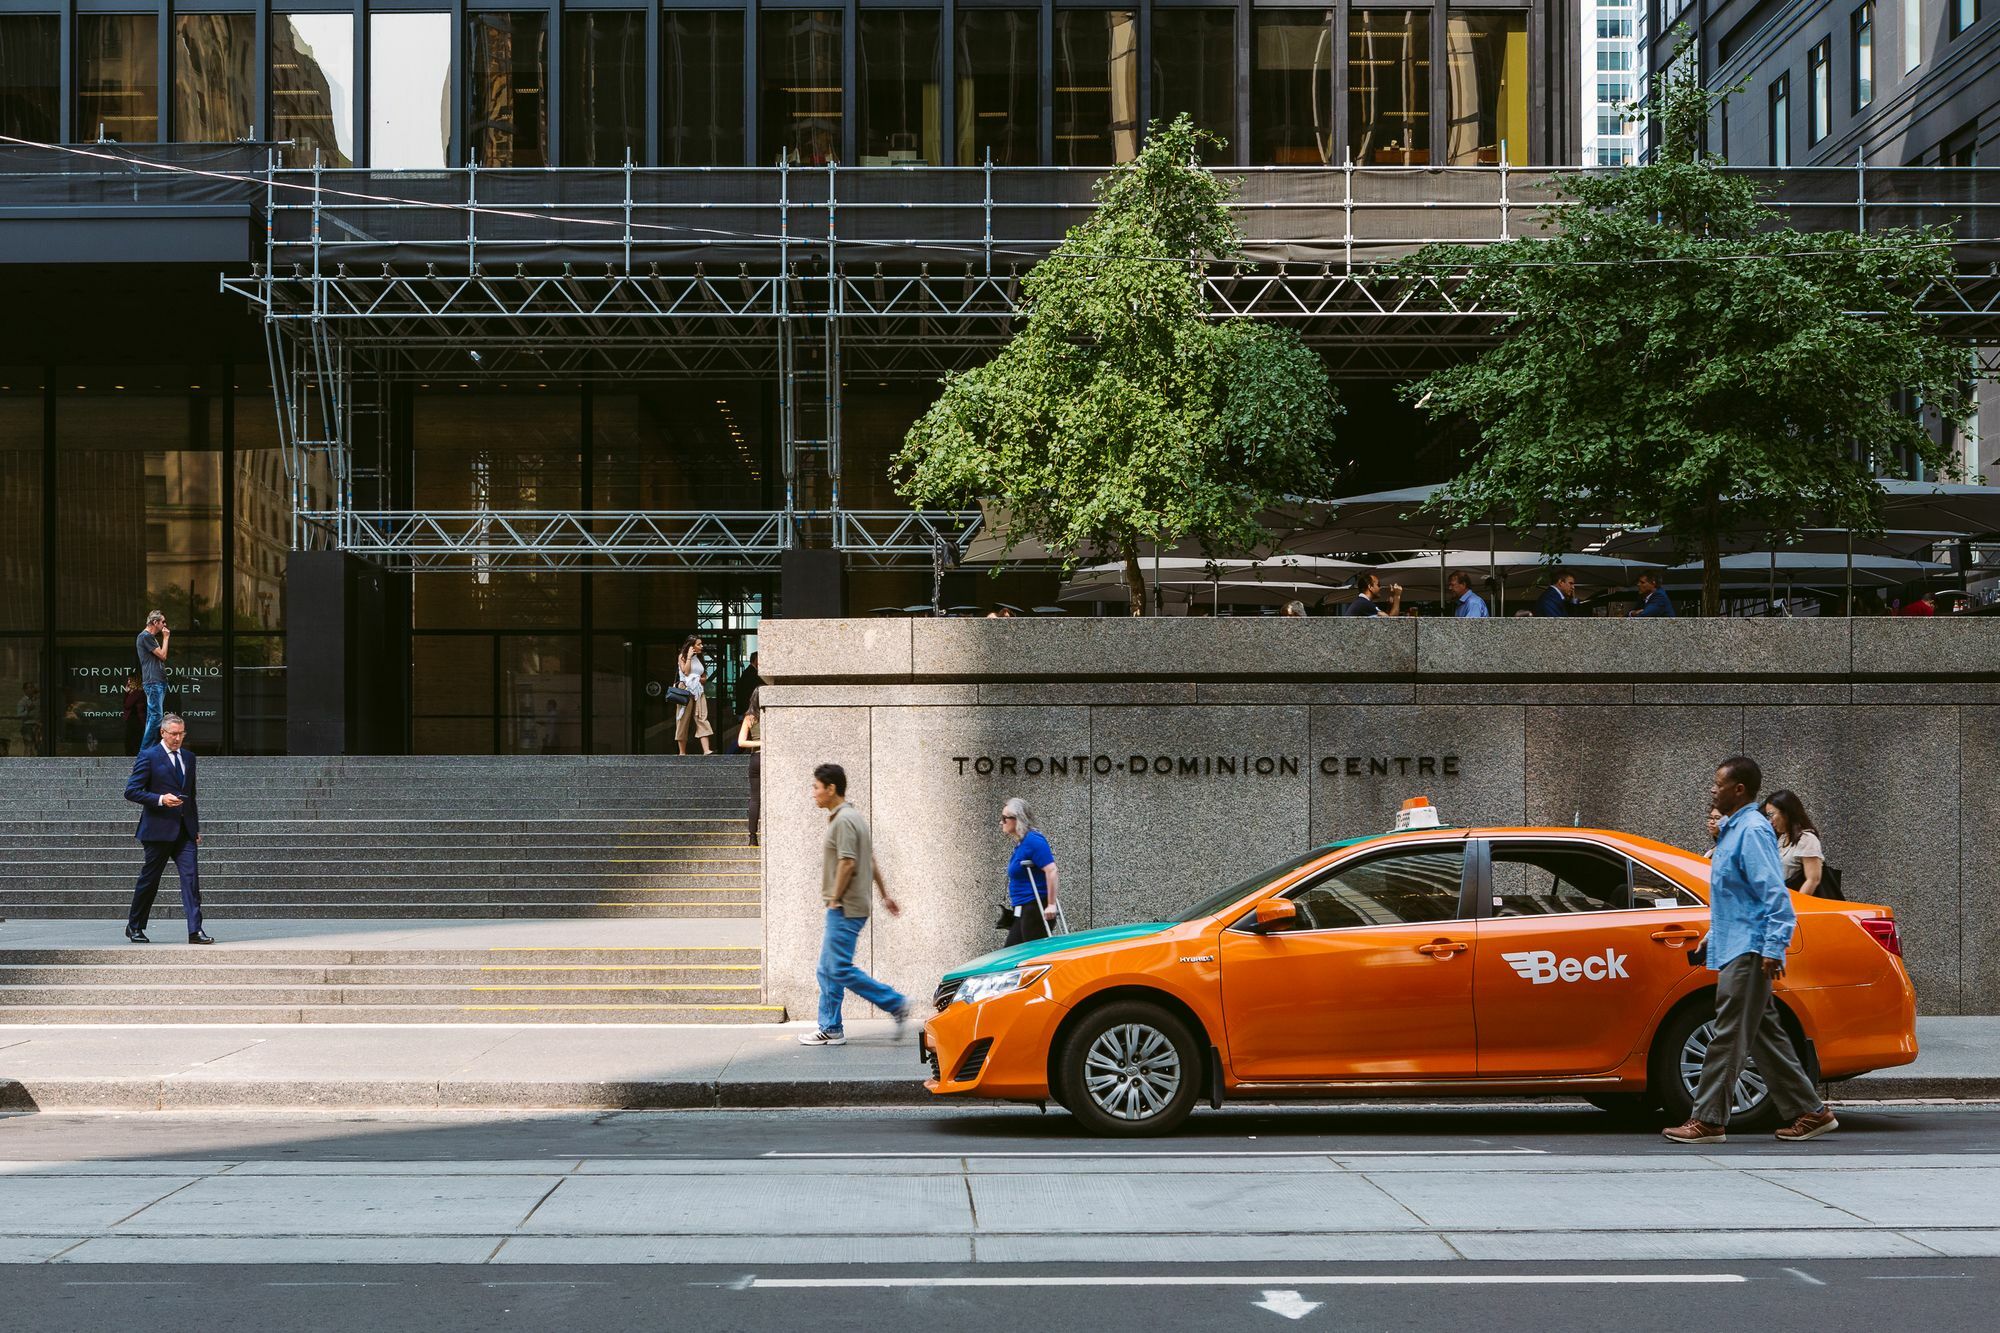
(1417, 812)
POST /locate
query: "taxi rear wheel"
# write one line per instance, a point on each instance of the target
(1678, 1053)
(1131, 1069)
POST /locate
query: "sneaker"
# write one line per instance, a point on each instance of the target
(1696, 1131)
(902, 1017)
(1809, 1126)
(823, 1038)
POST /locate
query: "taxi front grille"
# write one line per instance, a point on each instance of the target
(930, 1059)
(974, 1061)
(945, 993)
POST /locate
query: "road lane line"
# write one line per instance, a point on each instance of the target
(1279, 1281)
(1191, 1152)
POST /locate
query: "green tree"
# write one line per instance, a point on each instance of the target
(1676, 356)
(1123, 411)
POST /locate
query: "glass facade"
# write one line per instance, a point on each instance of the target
(703, 79)
(215, 77)
(409, 91)
(507, 87)
(1194, 71)
(1389, 87)
(31, 76)
(801, 92)
(1291, 88)
(1488, 71)
(1861, 37)
(1096, 93)
(312, 87)
(999, 87)
(604, 88)
(901, 67)
(118, 77)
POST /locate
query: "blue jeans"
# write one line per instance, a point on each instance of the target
(837, 972)
(156, 708)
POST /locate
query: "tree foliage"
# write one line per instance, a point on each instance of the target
(1123, 411)
(1676, 356)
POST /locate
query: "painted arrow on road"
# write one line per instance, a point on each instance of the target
(1287, 1303)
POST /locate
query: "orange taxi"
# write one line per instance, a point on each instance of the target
(1429, 961)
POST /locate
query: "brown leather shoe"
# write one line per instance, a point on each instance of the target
(1809, 1126)
(1696, 1131)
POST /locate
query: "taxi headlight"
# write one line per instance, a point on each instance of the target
(991, 984)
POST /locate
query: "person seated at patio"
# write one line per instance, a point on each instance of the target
(1465, 603)
(1367, 587)
(1653, 599)
(1559, 598)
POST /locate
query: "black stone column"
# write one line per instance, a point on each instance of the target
(812, 585)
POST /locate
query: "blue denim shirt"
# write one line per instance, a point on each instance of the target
(1749, 910)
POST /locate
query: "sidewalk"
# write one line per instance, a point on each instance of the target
(604, 1067)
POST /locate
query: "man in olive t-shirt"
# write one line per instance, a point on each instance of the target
(152, 649)
(847, 877)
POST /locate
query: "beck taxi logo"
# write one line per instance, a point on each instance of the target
(1541, 966)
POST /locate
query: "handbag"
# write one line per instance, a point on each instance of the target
(679, 696)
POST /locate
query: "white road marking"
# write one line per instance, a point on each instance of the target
(1805, 1277)
(1191, 1152)
(1324, 1280)
(1287, 1303)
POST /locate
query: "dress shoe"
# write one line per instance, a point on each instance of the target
(136, 936)
(201, 937)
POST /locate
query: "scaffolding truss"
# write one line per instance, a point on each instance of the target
(809, 275)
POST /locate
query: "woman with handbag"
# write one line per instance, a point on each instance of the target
(1031, 907)
(692, 720)
(1798, 842)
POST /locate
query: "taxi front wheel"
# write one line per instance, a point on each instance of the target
(1678, 1053)
(1131, 1069)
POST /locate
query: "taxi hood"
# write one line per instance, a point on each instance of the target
(1002, 959)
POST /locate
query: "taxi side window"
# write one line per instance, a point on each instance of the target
(1550, 879)
(1652, 889)
(1384, 891)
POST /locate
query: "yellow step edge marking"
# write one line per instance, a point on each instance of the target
(617, 1008)
(622, 948)
(612, 967)
(613, 986)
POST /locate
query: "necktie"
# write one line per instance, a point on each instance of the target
(178, 770)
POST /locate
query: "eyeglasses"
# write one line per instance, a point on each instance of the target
(1007, 819)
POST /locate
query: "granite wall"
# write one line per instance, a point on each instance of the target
(1165, 758)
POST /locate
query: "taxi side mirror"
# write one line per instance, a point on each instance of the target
(1275, 914)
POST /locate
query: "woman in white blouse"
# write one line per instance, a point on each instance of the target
(1798, 841)
(692, 721)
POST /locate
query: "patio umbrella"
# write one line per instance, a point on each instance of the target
(1815, 569)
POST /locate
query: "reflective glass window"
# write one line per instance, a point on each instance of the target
(1489, 89)
(541, 694)
(20, 502)
(1097, 87)
(118, 77)
(999, 87)
(31, 76)
(1819, 86)
(800, 88)
(262, 523)
(1781, 121)
(257, 693)
(507, 88)
(703, 125)
(1194, 71)
(312, 87)
(1291, 88)
(409, 90)
(604, 88)
(1913, 34)
(1389, 87)
(95, 705)
(1550, 879)
(901, 70)
(1863, 37)
(215, 77)
(1388, 890)
(23, 706)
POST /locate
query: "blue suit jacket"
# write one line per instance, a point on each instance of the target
(153, 776)
(1553, 603)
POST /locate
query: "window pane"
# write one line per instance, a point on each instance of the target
(703, 126)
(541, 694)
(1489, 89)
(1422, 886)
(100, 709)
(263, 522)
(999, 65)
(1194, 70)
(604, 89)
(1389, 87)
(22, 725)
(1097, 87)
(1864, 56)
(258, 686)
(312, 87)
(1781, 122)
(1819, 105)
(507, 78)
(1291, 89)
(1544, 881)
(1913, 34)
(20, 503)
(117, 77)
(30, 76)
(901, 76)
(215, 77)
(409, 98)
(800, 88)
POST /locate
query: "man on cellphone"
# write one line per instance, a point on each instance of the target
(152, 646)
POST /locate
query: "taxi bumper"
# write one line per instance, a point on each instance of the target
(995, 1048)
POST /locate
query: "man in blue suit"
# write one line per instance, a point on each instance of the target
(163, 786)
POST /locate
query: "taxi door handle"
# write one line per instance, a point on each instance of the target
(1675, 936)
(1443, 950)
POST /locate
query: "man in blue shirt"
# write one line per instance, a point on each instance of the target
(1750, 921)
(1468, 605)
(1559, 598)
(1653, 599)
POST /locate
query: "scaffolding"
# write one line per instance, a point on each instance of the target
(806, 275)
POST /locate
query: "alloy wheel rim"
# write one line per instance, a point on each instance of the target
(1750, 1089)
(1132, 1071)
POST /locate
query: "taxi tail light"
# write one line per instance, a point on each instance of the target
(1883, 930)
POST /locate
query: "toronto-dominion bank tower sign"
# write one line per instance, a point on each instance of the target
(1204, 765)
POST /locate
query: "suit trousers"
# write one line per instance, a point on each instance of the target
(1747, 1024)
(182, 852)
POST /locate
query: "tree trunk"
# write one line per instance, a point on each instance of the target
(1711, 568)
(1135, 578)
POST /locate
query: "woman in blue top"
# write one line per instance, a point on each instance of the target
(1031, 874)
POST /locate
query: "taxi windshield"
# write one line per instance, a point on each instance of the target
(1220, 899)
